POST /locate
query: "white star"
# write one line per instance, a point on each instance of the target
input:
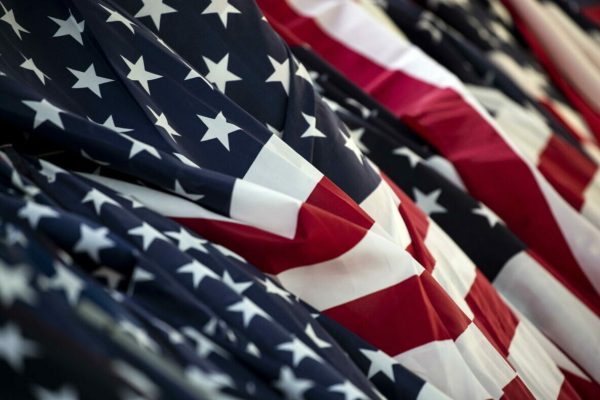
(138, 147)
(154, 9)
(281, 73)
(218, 128)
(293, 387)
(349, 391)
(34, 212)
(45, 111)
(204, 346)
(219, 74)
(276, 290)
(186, 241)
(50, 170)
(312, 130)
(29, 190)
(238, 287)
(147, 233)
(302, 72)
(488, 214)
(64, 393)
(181, 191)
(111, 276)
(138, 334)
(89, 80)
(228, 253)
(299, 351)
(210, 384)
(186, 160)
(29, 64)
(222, 8)
(413, 158)
(13, 236)
(161, 120)
(426, 24)
(380, 362)
(351, 145)
(428, 202)
(139, 275)
(110, 124)
(193, 74)
(14, 285)
(174, 336)
(248, 309)
(364, 111)
(333, 105)
(92, 241)
(356, 135)
(64, 280)
(115, 16)
(98, 199)
(252, 349)
(199, 272)
(138, 73)
(9, 18)
(69, 27)
(14, 348)
(310, 332)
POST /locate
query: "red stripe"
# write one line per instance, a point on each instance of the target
(321, 234)
(567, 392)
(587, 389)
(492, 316)
(488, 166)
(591, 117)
(592, 13)
(402, 317)
(567, 170)
(416, 224)
(516, 389)
(552, 109)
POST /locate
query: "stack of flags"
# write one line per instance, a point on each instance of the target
(299, 199)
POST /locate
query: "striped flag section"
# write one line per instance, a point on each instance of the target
(422, 94)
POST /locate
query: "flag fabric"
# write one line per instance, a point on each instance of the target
(530, 127)
(182, 198)
(568, 54)
(569, 239)
(214, 350)
(479, 232)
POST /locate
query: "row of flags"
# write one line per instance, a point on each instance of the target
(301, 199)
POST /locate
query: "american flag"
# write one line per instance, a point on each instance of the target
(207, 211)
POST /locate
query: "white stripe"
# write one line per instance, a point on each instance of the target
(493, 371)
(441, 364)
(525, 128)
(553, 309)
(572, 62)
(264, 208)
(430, 392)
(591, 204)
(382, 206)
(343, 19)
(453, 270)
(160, 202)
(561, 360)
(540, 374)
(280, 168)
(581, 236)
(375, 263)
